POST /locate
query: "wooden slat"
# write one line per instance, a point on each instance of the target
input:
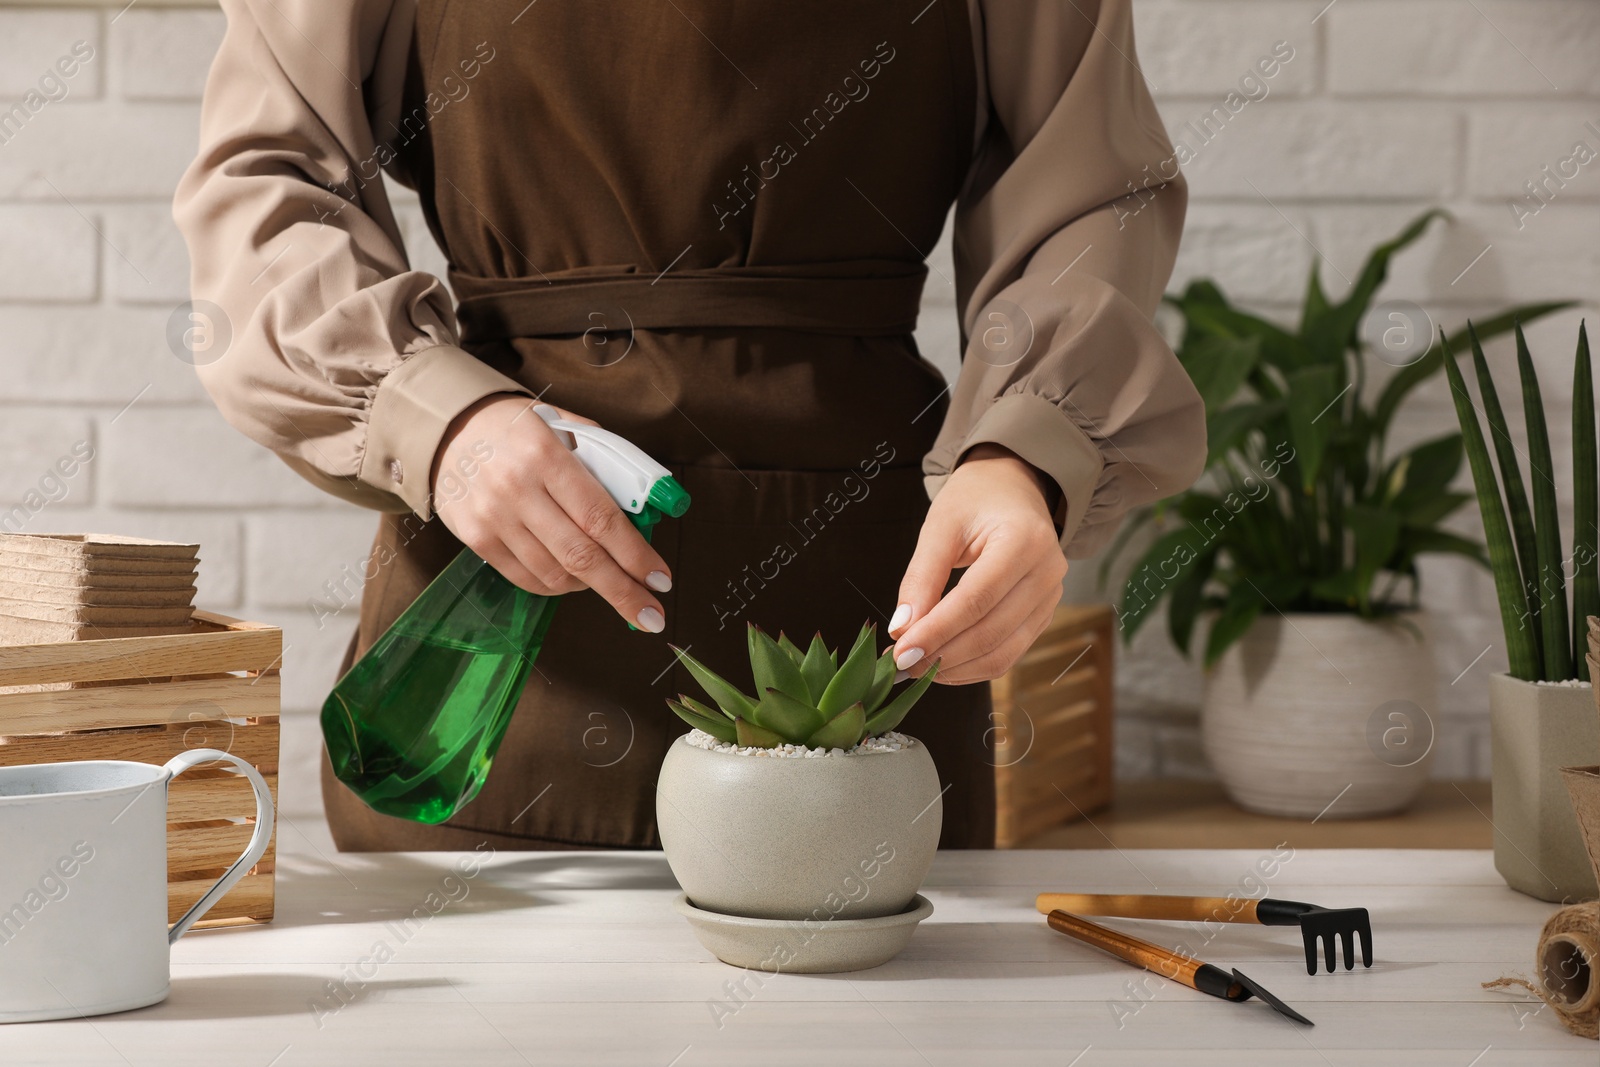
(217, 644)
(1055, 705)
(197, 850)
(1078, 686)
(196, 799)
(1070, 726)
(251, 899)
(1042, 806)
(1041, 667)
(255, 743)
(1039, 773)
(196, 703)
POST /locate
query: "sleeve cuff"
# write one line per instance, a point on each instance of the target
(1046, 437)
(414, 405)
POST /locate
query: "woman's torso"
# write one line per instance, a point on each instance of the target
(801, 146)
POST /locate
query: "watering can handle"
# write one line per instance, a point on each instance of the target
(258, 840)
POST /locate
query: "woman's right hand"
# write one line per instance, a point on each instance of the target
(508, 487)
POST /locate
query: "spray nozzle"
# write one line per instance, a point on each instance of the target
(642, 488)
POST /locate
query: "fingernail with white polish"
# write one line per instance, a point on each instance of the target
(899, 676)
(907, 658)
(658, 580)
(902, 615)
(651, 620)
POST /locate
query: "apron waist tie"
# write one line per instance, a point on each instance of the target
(828, 301)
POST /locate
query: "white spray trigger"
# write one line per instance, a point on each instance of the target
(626, 471)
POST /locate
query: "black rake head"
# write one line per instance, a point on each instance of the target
(1319, 924)
(1326, 924)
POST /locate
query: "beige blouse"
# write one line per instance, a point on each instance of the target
(344, 361)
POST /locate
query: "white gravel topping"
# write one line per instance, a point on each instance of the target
(892, 741)
(1568, 683)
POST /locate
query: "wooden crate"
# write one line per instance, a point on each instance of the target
(148, 699)
(1053, 726)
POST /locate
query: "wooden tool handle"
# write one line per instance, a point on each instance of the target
(1151, 957)
(1144, 906)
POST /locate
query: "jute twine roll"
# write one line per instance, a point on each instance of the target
(1568, 965)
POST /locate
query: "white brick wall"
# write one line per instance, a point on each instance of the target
(1388, 106)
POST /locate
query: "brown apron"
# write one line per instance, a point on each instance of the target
(700, 224)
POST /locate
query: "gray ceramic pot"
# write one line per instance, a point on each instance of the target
(1534, 731)
(840, 837)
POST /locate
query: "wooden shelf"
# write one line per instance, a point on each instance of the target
(1167, 813)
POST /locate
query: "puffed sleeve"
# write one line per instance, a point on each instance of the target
(342, 359)
(1064, 240)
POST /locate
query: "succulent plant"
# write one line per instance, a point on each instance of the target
(805, 698)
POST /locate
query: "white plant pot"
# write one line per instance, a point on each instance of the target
(833, 837)
(1534, 731)
(1326, 715)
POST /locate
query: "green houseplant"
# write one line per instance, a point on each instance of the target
(806, 698)
(1301, 545)
(801, 824)
(1305, 508)
(1536, 729)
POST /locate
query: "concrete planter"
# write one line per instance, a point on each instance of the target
(1535, 730)
(825, 838)
(1325, 715)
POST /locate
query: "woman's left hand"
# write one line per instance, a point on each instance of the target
(991, 518)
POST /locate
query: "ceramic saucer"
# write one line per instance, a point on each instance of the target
(805, 946)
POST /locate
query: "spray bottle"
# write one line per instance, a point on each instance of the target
(413, 727)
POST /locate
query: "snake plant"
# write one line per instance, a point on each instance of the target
(805, 698)
(1525, 545)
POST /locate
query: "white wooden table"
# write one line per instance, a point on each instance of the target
(578, 958)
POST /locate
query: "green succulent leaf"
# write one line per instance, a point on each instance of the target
(791, 648)
(888, 717)
(882, 679)
(850, 683)
(1509, 591)
(1549, 572)
(1518, 509)
(794, 720)
(817, 668)
(732, 702)
(718, 727)
(704, 709)
(844, 730)
(772, 667)
(1585, 506)
(750, 735)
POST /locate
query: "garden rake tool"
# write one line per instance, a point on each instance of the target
(1316, 924)
(1186, 969)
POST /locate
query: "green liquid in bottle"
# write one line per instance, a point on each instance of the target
(413, 727)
